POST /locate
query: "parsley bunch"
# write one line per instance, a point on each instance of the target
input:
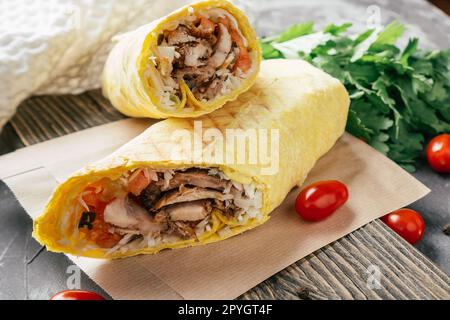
(399, 98)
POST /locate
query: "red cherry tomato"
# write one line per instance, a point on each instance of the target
(438, 153)
(407, 223)
(319, 200)
(77, 295)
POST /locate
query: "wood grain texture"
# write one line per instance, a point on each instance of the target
(341, 270)
(45, 117)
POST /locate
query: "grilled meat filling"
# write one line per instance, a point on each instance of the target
(202, 48)
(188, 194)
(150, 196)
(176, 203)
(194, 177)
(188, 198)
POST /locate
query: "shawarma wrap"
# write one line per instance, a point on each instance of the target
(186, 64)
(156, 192)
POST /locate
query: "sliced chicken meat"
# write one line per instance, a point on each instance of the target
(223, 47)
(198, 50)
(179, 35)
(205, 29)
(184, 229)
(210, 90)
(189, 211)
(173, 203)
(227, 208)
(125, 213)
(195, 54)
(196, 177)
(185, 194)
(150, 196)
(196, 76)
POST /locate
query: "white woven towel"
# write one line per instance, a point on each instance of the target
(59, 46)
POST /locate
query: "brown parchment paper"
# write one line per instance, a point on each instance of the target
(226, 269)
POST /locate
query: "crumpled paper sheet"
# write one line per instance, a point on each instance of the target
(60, 46)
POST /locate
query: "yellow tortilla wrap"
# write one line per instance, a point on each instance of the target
(132, 81)
(304, 106)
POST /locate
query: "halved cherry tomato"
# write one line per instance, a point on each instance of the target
(319, 200)
(438, 153)
(407, 223)
(138, 182)
(77, 295)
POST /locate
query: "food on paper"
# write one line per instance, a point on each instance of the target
(321, 199)
(153, 194)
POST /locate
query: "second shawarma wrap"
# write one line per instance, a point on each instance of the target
(155, 192)
(186, 64)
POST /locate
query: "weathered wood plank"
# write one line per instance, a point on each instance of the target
(340, 271)
(45, 117)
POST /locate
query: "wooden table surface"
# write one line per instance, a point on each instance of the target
(345, 269)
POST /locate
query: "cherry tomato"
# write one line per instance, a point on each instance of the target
(77, 295)
(319, 200)
(407, 223)
(438, 153)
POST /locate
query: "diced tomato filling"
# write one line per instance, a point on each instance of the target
(100, 233)
(100, 229)
(101, 236)
(138, 183)
(243, 61)
(95, 200)
(207, 25)
(91, 197)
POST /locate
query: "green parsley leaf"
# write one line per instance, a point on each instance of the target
(295, 31)
(390, 34)
(337, 29)
(399, 97)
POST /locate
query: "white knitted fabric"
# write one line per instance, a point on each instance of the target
(59, 46)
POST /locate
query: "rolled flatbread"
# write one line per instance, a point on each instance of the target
(186, 64)
(186, 182)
